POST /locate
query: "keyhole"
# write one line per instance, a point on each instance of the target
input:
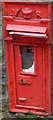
(21, 81)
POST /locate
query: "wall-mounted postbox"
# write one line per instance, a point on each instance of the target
(26, 29)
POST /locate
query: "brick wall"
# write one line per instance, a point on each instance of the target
(0, 62)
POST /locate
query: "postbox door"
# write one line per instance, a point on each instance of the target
(29, 70)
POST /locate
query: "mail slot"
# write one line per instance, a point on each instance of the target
(27, 29)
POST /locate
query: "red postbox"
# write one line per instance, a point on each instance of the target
(26, 29)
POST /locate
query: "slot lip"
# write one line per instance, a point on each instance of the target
(37, 35)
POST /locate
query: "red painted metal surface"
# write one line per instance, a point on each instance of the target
(26, 29)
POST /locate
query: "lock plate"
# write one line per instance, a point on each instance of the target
(24, 80)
